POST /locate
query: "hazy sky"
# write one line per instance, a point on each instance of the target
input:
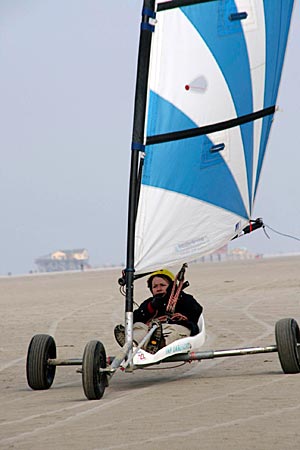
(67, 80)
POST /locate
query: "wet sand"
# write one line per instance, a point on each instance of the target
(235, 403)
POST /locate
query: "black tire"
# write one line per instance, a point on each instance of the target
(39, 374)
(94, 382)
(287, 337)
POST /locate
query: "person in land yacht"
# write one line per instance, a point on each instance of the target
(180, 323)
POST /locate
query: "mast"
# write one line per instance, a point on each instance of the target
(148, 13)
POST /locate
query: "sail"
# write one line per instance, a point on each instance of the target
(215, 69)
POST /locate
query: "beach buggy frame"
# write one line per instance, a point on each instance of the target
(97, 369)
(95, 366)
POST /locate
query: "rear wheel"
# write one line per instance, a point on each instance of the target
(287, 337)
(94, 382)
(40, 374)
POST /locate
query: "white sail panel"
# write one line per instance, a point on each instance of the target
(181, 230)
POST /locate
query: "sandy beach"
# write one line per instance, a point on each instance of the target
(235, 403)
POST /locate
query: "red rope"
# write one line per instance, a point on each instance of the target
(176, 290)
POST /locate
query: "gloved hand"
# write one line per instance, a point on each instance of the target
(159, 302)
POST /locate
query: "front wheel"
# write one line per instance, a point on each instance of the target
(94, 382)
(40, 374)
(287, 338)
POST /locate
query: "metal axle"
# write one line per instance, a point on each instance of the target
(192, 356)
(211, 354)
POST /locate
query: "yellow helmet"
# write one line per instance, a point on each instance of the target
(164, 273)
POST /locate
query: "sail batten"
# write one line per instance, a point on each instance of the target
(208, 129)
(215, 69)
(170, 4)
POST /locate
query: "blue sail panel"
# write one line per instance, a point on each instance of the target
(277, 28)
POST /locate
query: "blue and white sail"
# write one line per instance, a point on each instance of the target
(215, 70)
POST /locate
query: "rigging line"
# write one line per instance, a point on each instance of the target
(283, 234)
(208, 129)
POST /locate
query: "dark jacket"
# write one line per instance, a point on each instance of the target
(186, 305)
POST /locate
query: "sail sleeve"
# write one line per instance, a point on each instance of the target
(213, 83)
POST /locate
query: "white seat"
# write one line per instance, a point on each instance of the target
(184, 345)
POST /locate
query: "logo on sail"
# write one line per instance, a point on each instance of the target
(198, 85)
